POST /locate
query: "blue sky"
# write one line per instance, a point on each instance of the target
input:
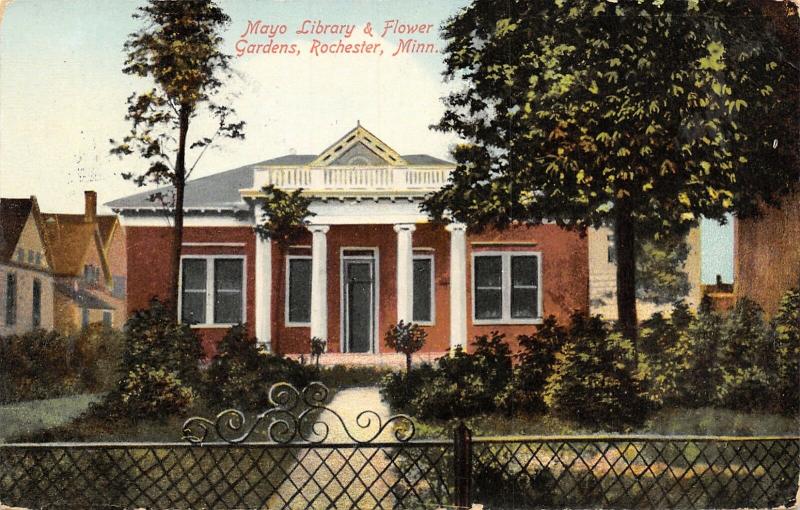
(62, 95)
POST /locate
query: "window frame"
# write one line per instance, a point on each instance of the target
(36, 303)
(506, 285)
(287, 279)
(11, 300)
(210, 290)
(425, 256)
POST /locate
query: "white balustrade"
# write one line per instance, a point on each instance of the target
(353, 178)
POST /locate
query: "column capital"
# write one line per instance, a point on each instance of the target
(455, 227)
(408, 227)
(323, 229)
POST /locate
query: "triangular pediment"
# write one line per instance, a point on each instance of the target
(359, 147)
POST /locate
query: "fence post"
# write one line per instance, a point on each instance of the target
(462, 465)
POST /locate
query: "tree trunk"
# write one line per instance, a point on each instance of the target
(177, 229)
(625, 245)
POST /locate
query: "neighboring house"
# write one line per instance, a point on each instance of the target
(369, 258)
(767, 254)
(89, 262)
(26, 284)
(603, 275)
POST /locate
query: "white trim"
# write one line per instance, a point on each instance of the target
(286, 320)
(210, 290)
(505, 257)
(160, 220)
(223, 245)
(263, 291)
(427, 256)
(376, 268)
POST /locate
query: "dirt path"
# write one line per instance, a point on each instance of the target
(339, 477)
(33, 415)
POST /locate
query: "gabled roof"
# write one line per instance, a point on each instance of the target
(359, 136)
(69, 237)
(221, 190)
(14, 213)
(82, 298)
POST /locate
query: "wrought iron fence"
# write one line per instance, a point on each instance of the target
(298, 464)
(636, 471)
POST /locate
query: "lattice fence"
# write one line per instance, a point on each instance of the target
(635, 472)
(177, 475)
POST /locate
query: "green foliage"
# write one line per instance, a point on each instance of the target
(595, 380)
(467, 384)
(406, 338)
(178, 49)
(45, 364)
(317, 349)
(785, 341)
(660, 275)
(242, 373)
(646, 115)
(398, 388)
(150, 392)
(161, 352)
(534, 366)
(744, 359)
(283, 214)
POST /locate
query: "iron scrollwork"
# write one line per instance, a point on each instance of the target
(295, 416)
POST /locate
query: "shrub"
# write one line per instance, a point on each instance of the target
(148, 392)
(406, 338)
(695, 375)
(535, 363)
(663, 341)
(784, 337)
(159, 352)
(98, 350)
(317, 348)
(242, 372)
(399, 388)
(744, 359)
(595, 381)
(466, 384)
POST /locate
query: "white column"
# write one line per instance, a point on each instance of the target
(319, 281)
(458, 285)
(263, 291)
(405, 272)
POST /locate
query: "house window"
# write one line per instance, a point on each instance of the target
(119, 284)
(37, 303)
(423, 289)
(84, 318)
(298, 290)
(20, 255)
(107, 319)
(506, 288)
(38, 259)
(31, 257)
(11, 299)
(212, 290)
(612, 250)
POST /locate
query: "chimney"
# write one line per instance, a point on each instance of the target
(90, 211)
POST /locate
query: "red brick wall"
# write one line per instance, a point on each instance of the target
(565, 275)
(149, 266)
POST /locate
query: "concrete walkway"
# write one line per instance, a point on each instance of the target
(34, 415)
(339, 477)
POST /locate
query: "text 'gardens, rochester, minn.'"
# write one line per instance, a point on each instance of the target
(391, 37)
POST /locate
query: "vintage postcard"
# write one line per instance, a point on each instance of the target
(499, 254)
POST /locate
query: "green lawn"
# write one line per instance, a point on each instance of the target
(31, 416)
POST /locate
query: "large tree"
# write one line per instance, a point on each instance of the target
(645, 115)
(178, 51)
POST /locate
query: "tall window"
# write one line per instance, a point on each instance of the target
(212, 290)
(423, 289)
(107, 319)
(84, 318)
(298, 293)
(506, 287)
(37, 303)
(11, 299)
